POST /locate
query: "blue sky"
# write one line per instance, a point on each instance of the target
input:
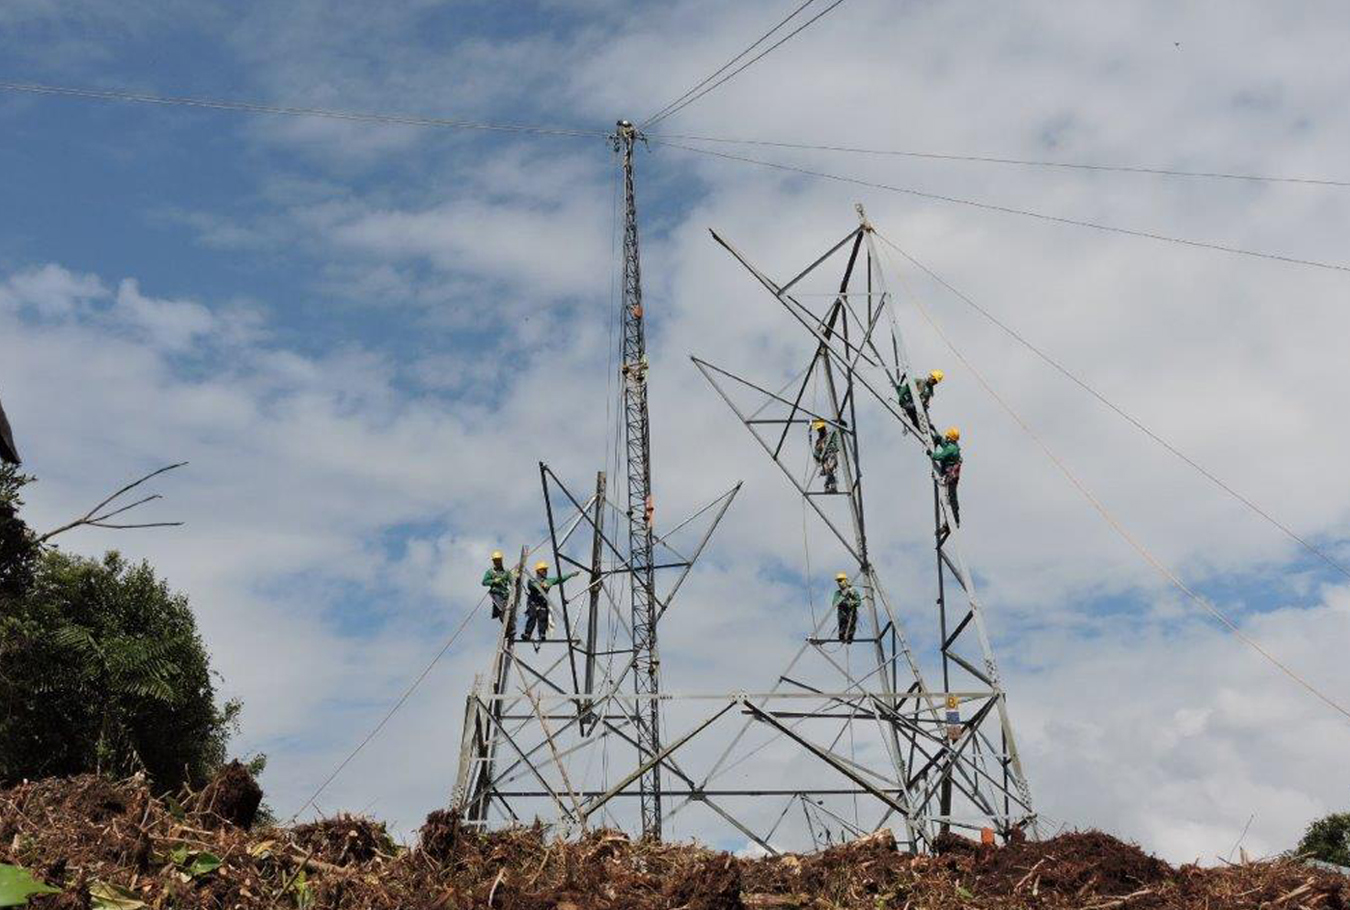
(364, 338)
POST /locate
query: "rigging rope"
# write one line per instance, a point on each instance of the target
(254, 108)
(1120, 529)
(1009, 210)
(1022, 162)
(679, 104)
(407, 693)
(1082, 384)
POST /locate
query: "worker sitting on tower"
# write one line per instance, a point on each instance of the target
(946, 457)
(825, 449)
(846, 602)
(497, 579)
(926, 386)
(536, 601)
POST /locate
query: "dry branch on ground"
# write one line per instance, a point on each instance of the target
(89, 836)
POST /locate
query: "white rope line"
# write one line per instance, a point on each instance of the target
(1120, 529)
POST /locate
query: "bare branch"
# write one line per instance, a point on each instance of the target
(93, 518)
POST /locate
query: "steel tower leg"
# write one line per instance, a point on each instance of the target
(637, 441)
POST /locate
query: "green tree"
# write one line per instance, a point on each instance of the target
(18, 549)
(1328, 839)
(102, 669)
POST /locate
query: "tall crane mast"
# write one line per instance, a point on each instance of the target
(641, 509)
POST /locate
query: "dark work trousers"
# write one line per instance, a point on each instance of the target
(536, 617)
(499, 602)
(848, 621)
(951, 477)
(828, 465)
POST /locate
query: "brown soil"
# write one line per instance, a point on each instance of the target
(232, 797)
(85, 833)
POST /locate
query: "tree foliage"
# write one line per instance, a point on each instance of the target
(101, 669)
(1328, 839)
(18, 549)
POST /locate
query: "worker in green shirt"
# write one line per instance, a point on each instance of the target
(536, 600)
(925, 385)
(846, 602)
(946, 457)
(497, 580)
(825, 449)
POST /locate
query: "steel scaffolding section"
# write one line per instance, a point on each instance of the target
(641, 508)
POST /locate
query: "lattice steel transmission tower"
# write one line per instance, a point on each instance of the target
(641, 508)
(849, 737)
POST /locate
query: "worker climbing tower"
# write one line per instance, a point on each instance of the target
(641, 507)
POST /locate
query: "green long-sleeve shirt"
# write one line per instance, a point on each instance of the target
(539, 587)
(946, 455)
(846, 597)
(499, 580)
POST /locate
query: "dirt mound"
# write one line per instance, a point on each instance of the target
(233, 796)
(113, 844)
(344, 840)
(437, 836)
(1070, 864)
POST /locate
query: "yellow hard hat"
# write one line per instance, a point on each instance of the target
(817, 424)
(952, 434)
(936, 375)
(496, 555)
(541, 567)
(842, 576)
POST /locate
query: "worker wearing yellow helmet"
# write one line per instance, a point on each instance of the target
(946, 457)
(925, 385)
(846, 602)
(825, 450)
(536, 601)
(497, 579)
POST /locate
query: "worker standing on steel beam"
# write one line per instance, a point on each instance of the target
(497, 579)
(946, 457)
(536, 601)
(926, 387)
(825, 449)
(846, 602)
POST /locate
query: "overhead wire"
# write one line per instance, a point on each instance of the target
(1021, 162)
(1008, 210)
(1289, 532)
(393, 709)
(291, 110)
(730, 63)
(685, 100)
(1123, 532)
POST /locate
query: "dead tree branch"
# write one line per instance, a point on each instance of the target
(98, 518)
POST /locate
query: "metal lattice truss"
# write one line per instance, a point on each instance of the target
(850, 737)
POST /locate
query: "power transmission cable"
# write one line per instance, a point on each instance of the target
(730, 63)
(1022, 162)
(678, 105)
(253, 108)
(1307, 545)
(1009, 210)
(1123, 532)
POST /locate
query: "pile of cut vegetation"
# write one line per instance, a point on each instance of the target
(90, 843)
